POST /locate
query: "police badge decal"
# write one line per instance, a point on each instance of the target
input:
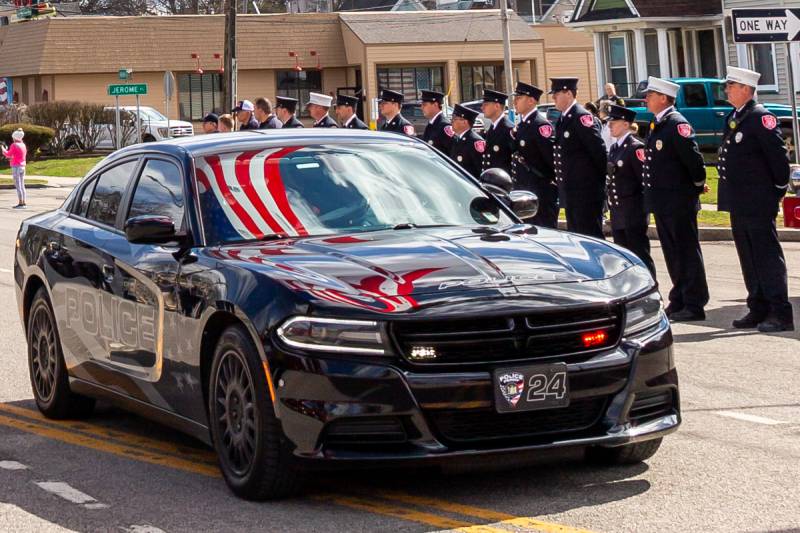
(511, 386)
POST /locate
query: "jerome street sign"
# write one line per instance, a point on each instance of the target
(766, 25)
(127, 89)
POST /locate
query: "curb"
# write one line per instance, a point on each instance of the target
(31, 186)
(709, 233)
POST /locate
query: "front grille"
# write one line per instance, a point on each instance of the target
(542, 335)
(650, 406)
(481, 425)
(365, 431)
(182, 131)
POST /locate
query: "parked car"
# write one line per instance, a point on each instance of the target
(353, 297)
(703, 102)
(154, 127)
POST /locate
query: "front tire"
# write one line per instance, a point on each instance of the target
(253, 453)
(46, 365)
(623, 455)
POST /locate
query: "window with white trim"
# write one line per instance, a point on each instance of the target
(618, 63)
(761, 58)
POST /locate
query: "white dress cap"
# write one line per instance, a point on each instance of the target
(320, 99)
(662, 86)
(743, 76)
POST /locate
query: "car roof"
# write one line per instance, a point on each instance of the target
(217, 143)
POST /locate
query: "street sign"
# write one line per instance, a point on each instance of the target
(128, 89)
(169, 85)
(766, 25)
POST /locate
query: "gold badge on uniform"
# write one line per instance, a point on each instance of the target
(652, 126)
(659, 144)
(732, 124)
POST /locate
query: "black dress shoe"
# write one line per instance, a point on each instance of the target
(773, 325)
(687, 315)
(671, 309)
(748, 321)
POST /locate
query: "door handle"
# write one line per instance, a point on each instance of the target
(108, 273)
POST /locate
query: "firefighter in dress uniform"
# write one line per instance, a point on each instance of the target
(579, 160)
(754, 175)
(468, 147)
(318, 106)
(674, 178)
(389, 108)
(285, 108)
(499, 143)
(532, 160)
(624, 190)
(438, 132)
(346, 112)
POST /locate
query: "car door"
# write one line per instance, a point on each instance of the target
(720, 108)
(145, 290)
(85, 281)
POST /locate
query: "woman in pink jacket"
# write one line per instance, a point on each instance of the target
(17, 155)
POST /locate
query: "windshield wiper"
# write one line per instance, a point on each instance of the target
(405, 225)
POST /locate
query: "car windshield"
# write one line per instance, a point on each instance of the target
(152, 114)
(325, 189)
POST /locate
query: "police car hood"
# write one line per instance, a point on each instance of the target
(432, 261)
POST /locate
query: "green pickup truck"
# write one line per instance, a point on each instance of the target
(702, 101)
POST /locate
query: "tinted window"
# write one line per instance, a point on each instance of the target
(85, 197)
(159, 192)
(323, 190)
(695, 95)
(108, 193)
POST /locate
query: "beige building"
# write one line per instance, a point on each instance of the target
(456, 52)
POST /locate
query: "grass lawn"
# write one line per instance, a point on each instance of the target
(712, 180)
(33, 181)
(72, 167)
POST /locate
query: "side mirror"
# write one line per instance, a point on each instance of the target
(150, 229)
(525, 204)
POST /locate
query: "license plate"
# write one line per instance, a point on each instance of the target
(528, 388)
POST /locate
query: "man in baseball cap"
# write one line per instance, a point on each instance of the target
(674, 176)
(211, 123)
(244, 114)
(318, 106)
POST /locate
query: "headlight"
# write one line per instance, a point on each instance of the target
(642, 313)
(164, 132)
(334, 335)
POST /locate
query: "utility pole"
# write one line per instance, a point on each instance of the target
(229, 85)
(506, 47)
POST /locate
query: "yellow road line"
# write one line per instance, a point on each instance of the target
(477, 512)
(128, 452)
(404, 513)
(204, 456)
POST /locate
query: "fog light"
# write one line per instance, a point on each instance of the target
(594, 338)
(422, 352)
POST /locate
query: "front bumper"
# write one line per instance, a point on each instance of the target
(338, 410)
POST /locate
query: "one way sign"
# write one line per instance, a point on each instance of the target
(766, 25)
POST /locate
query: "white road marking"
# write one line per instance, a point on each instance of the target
(5, 271)
(144, 529)
(12, 465)
(13, 518)
(750, 418)
(71, 494)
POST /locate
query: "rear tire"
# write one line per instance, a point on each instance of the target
(46, 366)
(623, 455)
(253, 453)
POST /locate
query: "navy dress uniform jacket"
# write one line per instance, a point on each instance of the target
(624, 184)
(532, 165)
(674, 173)
(293, 123)
(468, 150)
(399, 125)
(753, 163)
(580, 158)
(439, 134)
(356, 124)
(499, 146)
(326, 122)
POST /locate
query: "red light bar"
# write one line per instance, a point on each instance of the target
(594, 338)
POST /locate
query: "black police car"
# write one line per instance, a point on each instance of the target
(315, 297)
